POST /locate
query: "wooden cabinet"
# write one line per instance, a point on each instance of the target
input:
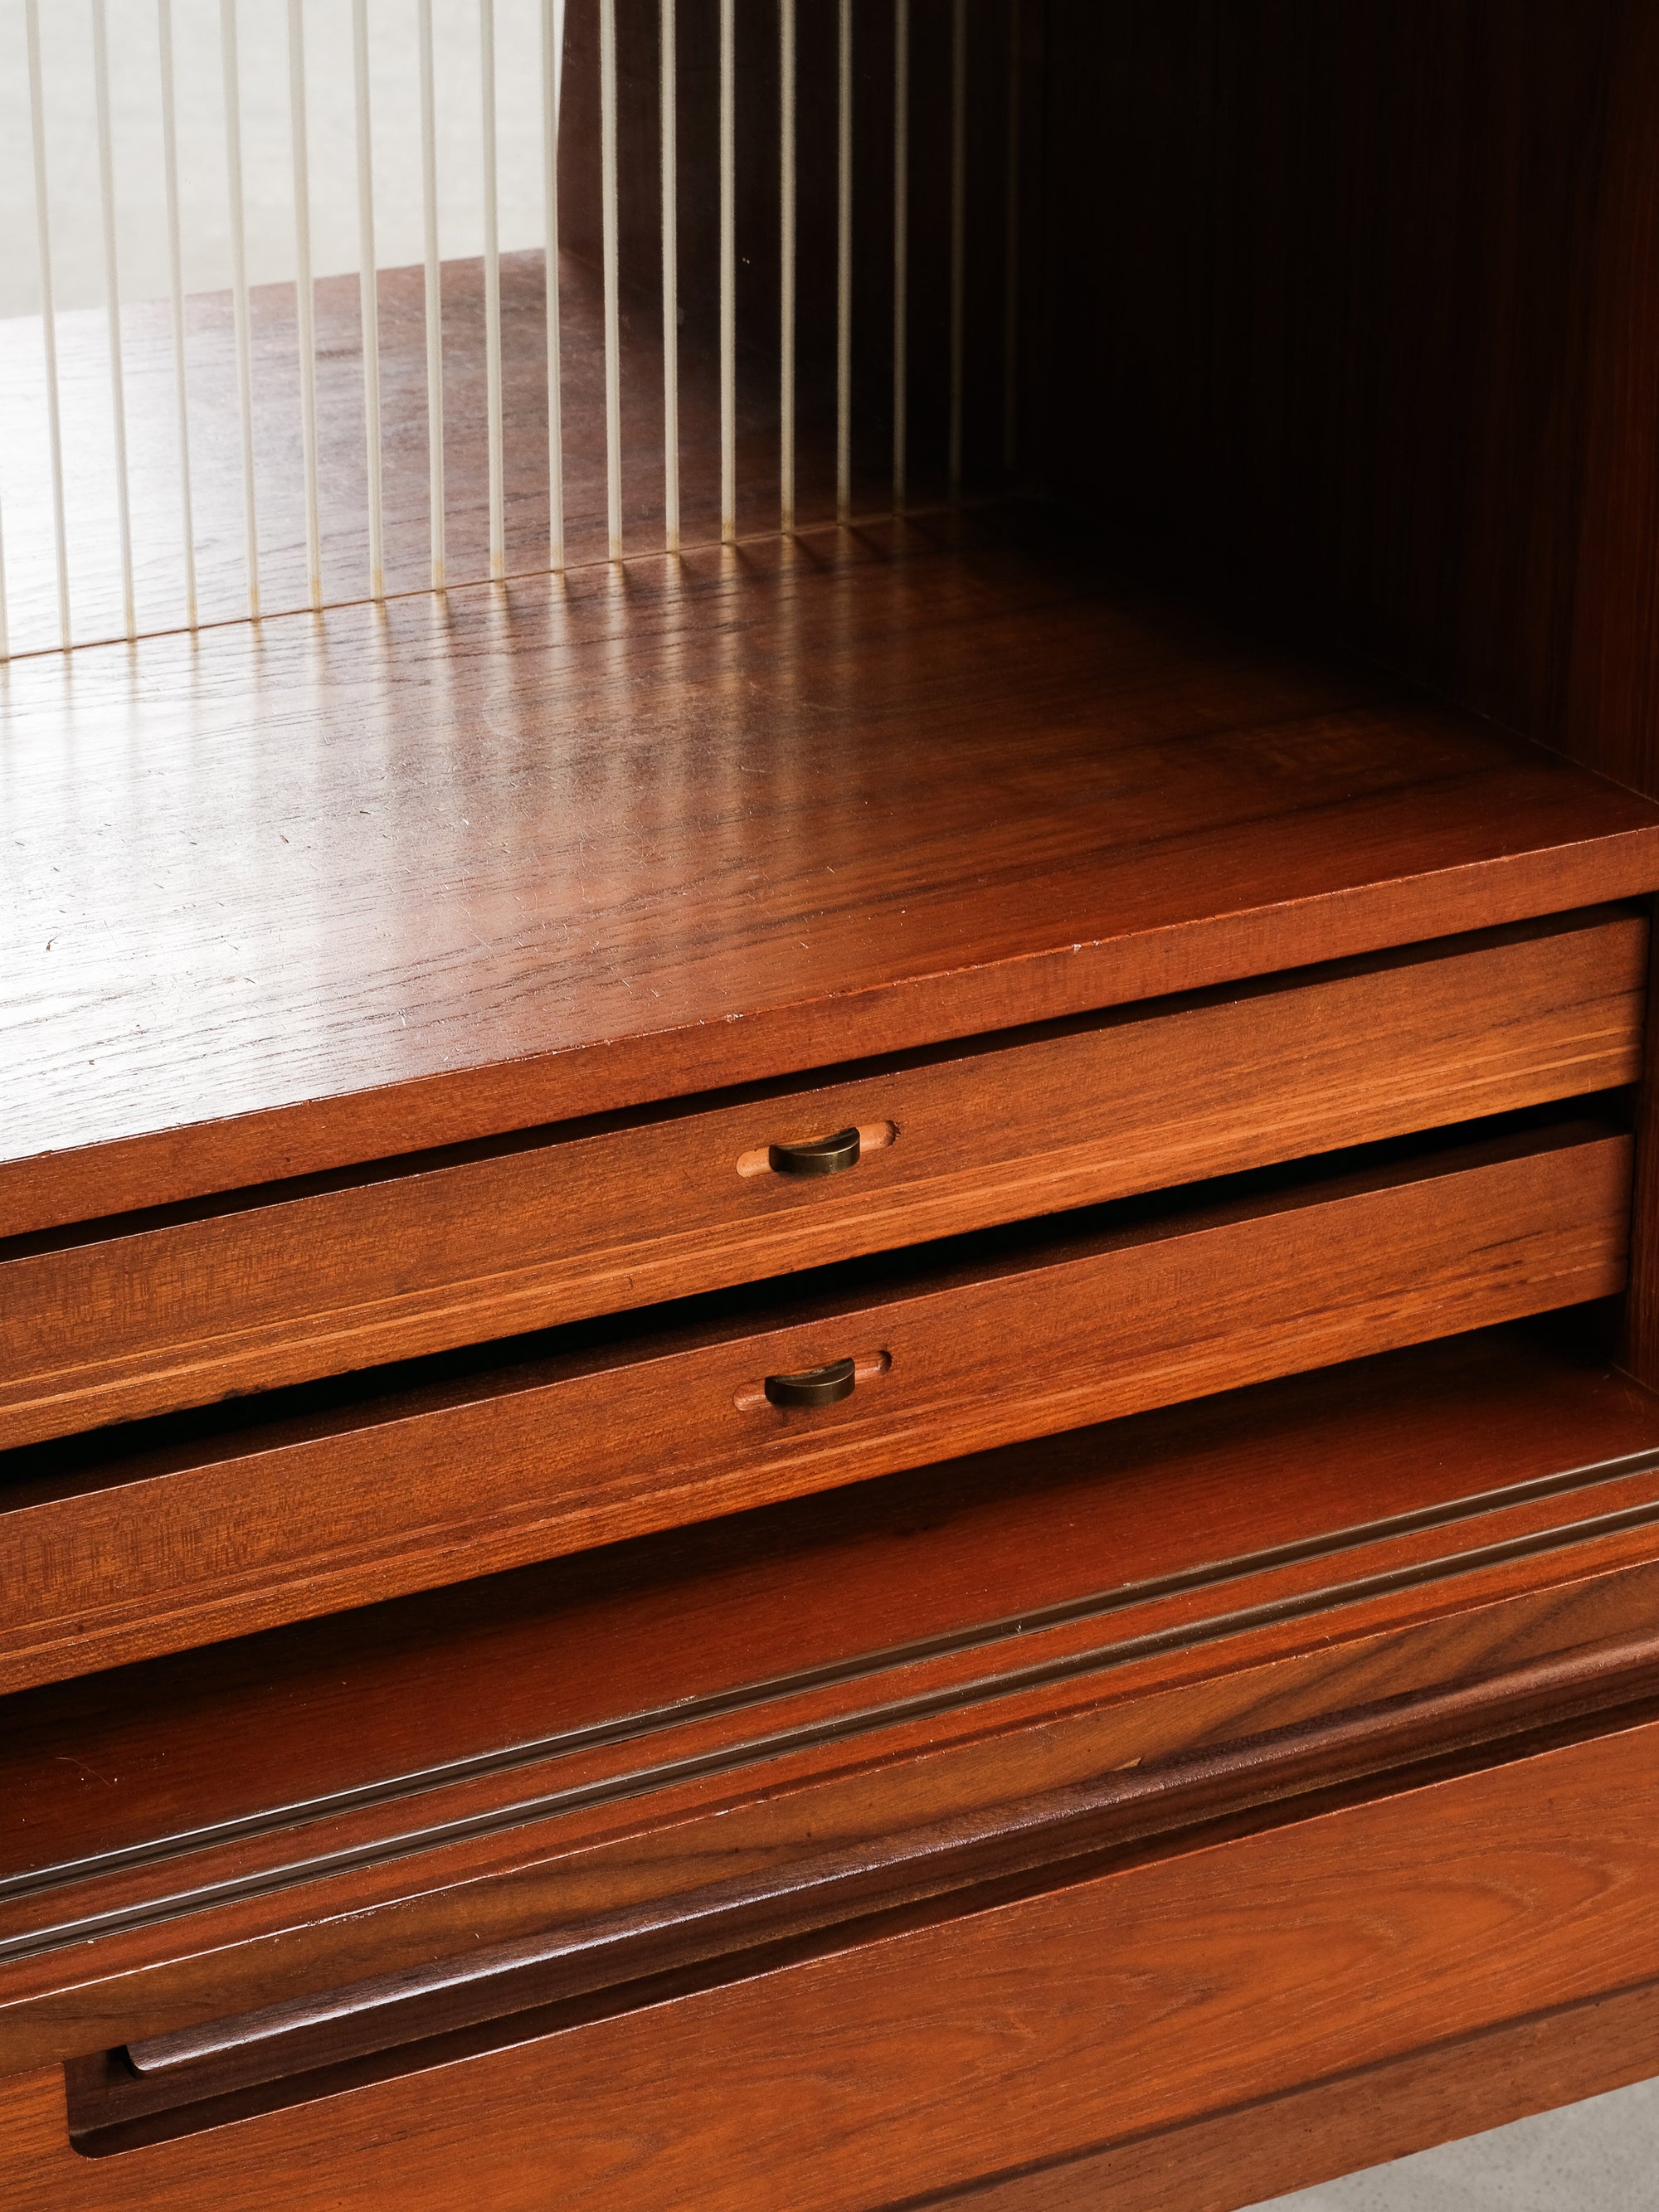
(826, 1365)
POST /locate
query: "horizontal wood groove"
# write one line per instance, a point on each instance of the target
(122, 1323)
(1328, 1601)
(1401, 1429)
(1011, 1633)
(1317, 1824)
(478, 1476)
(1040, 1834)
(1182, 1722)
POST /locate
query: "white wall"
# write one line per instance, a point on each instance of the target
(72, 146)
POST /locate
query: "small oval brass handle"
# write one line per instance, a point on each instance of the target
(817, 1156)
(816, 1386)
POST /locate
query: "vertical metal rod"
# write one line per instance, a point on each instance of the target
(112, 309)
(901, 250)
(844, 274)
(48, 313)
(1011, 255)
(612, 306)
(305, 297)
(233, 77)
(369, 298)
(958, 230)
(492, 276)
(667, 102)
(552, 87)
(786, 244)
(728, 158)
(176, 281)
(435, 308)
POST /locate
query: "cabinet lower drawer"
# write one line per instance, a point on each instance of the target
(128, 1318)
(1011, 1334)
(899, 2060)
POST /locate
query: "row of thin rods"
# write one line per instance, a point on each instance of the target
(551, 59)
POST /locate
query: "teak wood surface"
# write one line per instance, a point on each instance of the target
(929, 2053)
(1268, 2147)
(1102, 1809)
(1108, 1635)
(1383, 324)
(1157, 1815)
(97, 1329)
(422, 1682)
(1022, 1332)
(815, 1869)
(335, 890)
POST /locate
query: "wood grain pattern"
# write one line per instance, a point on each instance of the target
(1360, 2119)
(1138, 1744)
(449, 1254)
(469, 1473)
(215, 480)
(333, 1707)
(294, 899)
(737, 1911)
(1211, 1975)
(1383, 324)
(194, 1838)
(1639, 1326)
(1040, 795)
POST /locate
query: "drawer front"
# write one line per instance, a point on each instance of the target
(415, 1493)
(922, 2059)
(271, 1294)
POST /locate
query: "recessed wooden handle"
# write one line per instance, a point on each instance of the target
(815, 1386)
(817, 1156)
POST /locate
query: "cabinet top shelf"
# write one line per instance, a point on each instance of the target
(287, 898)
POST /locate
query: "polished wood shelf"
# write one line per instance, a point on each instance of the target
(291, 898)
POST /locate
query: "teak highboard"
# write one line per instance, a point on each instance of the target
(830, 1368)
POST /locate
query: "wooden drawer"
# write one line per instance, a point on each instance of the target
(142, 1314)
(925, 2053)
(357, 1493)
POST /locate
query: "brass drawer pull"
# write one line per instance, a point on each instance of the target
(815, 1386)
(817, 1156)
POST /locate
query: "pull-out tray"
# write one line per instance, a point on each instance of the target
(336, 1494)
(144, 1313)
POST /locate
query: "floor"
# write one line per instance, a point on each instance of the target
(1603, 2154)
